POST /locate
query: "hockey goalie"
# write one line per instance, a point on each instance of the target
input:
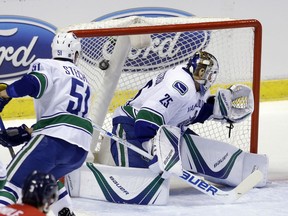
(157, 120)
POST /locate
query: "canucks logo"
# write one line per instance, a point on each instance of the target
(180, 87)
(166, 50)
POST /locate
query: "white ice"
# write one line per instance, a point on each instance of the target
(184, 200)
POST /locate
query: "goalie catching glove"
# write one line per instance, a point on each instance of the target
(3, 101)
(233, 104)
(14, 136)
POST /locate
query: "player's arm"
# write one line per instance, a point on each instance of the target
(206, 111)
(32, 84)
(147, 123)
(4, 98)
(27, 85)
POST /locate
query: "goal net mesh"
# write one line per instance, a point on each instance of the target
(130, 69)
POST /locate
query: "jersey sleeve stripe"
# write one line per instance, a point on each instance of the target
(43, 82)
(130, 111)
(148, 115)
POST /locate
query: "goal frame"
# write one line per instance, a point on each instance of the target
(242, 23)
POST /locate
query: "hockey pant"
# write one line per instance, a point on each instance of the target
(124, 127)
(42, 153)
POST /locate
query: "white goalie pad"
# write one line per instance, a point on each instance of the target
(118, 185)
(233, 104)
(220, 162)
(166, 148)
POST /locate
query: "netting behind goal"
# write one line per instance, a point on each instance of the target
(235, 43)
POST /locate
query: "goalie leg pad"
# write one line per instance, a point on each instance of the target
(166, 151)
(256, 162)
(220, 162)
(118, 184)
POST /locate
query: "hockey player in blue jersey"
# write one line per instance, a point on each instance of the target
(61, 137)
(180, 97)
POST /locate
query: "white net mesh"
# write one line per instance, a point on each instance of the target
(233, 48)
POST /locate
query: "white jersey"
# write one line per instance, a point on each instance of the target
(171, 97)
(62, 103)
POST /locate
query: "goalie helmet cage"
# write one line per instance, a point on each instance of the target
(132, 61)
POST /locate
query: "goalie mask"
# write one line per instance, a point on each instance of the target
(204, 69)
(66, 45)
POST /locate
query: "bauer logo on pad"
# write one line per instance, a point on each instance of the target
(23, 39)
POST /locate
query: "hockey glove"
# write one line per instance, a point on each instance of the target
(14, 136)
(233, 104)
(3, 101)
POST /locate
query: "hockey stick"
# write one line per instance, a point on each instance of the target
(122, 141)
(198, 182)
(2, 127)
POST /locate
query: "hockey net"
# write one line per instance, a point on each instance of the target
(235, 43)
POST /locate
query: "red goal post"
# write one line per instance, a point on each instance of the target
(235, 43)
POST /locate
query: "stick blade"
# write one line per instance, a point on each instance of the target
(247, 184)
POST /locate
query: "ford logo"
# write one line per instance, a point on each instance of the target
(23, 40)
(166, 50)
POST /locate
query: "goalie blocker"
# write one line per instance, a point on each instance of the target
(216, 161)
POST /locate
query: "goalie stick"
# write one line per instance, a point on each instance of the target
(2, 127)
(196, 181)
